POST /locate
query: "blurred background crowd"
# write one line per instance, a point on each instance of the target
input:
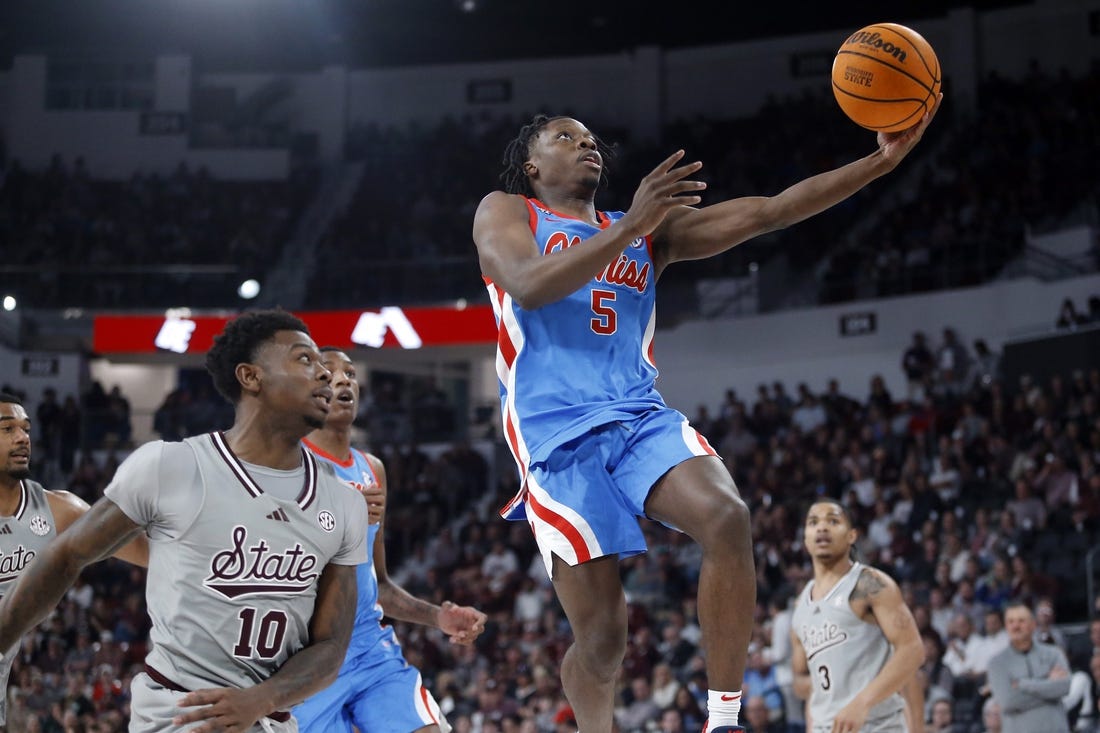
(969, 491)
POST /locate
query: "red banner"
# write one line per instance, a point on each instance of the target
(389, 327)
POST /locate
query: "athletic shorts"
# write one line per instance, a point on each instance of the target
(584, 500)
(888, 724)
(152, 707)
(382, 697)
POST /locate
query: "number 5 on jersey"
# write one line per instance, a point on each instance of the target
(606, 321)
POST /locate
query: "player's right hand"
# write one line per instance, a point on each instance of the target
(660, 192)
(376, 503)
(221, 710)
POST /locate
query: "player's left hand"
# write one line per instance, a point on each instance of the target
(223, 710)
(896, 145)
(462, 624)
(850, 719)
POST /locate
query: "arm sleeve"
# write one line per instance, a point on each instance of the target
(139, 483)
(353, 548)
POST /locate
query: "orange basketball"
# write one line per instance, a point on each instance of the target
(885, 77)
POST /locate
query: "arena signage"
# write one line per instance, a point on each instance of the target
(184, 332)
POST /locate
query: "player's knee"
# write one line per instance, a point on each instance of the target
(727, 525)
(601, 650)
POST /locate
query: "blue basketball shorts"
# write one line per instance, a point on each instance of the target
(584, 500)
(387, 696)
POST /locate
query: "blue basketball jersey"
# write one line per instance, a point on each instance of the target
(369, 631)
(583, 361)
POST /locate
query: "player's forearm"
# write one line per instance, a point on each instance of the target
(913, 694)
(549, 279)
(895, 674)
(719, 227)
(801, 685)
(815, 194)
(39, 589)
(314, 667)
(402, 605)
(309, 671)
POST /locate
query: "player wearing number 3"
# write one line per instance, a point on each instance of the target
(855, 645)
(253, 547)
(573, 292)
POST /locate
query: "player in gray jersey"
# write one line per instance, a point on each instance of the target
(31, 517)
(855, 645)
(252, 547)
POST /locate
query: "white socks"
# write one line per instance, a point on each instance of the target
(722, 708)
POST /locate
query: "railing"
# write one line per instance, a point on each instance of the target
(1090, 582)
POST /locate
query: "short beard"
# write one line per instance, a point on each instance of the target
(20, 473)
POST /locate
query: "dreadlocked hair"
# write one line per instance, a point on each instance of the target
(518, 151)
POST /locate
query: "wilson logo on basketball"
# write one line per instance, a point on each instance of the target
(255, 568)
(874, 40)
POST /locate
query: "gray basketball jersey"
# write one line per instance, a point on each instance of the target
(232, 595)
(22, 536)
(844, 653)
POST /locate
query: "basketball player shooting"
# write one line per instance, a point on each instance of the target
(573, 290)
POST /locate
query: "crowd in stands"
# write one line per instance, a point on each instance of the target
(80, 241)
(405, 237)
(1026, 148)
(970, 491)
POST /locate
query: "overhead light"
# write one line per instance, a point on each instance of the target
(9, 302)
(249, 289)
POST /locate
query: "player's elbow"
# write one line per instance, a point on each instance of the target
(915, 653)
(528, 300)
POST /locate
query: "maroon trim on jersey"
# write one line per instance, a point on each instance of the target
(309, 482)
(24, 500)
(234, 464)
(309, 486)
(279, 716)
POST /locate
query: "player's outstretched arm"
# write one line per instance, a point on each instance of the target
(100, 532)
(313, 668)
(509, 257)
(67, 507)
(898, 626)
(462, 624)
(692, 234)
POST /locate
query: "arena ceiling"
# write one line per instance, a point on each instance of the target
(287, 35)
